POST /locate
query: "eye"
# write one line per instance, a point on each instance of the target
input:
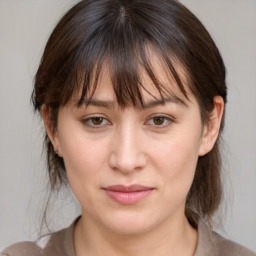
(95, 122)
(160, 121)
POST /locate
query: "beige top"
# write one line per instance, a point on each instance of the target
(61, 244)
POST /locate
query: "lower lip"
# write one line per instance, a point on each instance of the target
(128, 197)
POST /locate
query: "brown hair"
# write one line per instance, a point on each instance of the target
(120, 31)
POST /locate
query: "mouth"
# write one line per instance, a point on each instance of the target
(128, 195)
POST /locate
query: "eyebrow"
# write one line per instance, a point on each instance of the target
(147, 105)
(170, 99)
(99, 103)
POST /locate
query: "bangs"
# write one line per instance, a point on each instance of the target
(122, 37)
(118, 41)
(125, 63)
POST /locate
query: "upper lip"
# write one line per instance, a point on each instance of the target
(131, 188)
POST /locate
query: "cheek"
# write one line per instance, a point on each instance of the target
(177, 162)
(81, 154)
(177, 154)
(83, 161)
(83, 176)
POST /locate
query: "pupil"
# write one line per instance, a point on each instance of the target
(97, 120)
(158, 120)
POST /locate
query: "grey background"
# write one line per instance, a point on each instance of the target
(24, 28)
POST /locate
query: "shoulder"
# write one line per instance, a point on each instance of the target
(22, 249)
(56, 244)
(212, 244)
(46, 245)
(230, 248)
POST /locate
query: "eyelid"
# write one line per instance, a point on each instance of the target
(86, 119)
(166, 117)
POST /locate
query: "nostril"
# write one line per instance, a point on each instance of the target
(127, 164)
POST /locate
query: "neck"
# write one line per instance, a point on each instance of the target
(174, 237)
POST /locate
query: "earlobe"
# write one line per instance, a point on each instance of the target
(51, 131)
(212, 127)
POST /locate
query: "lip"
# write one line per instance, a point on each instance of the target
(128, 194)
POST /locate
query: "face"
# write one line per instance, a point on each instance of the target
(131, 169)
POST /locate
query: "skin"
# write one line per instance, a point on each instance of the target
(132, 146)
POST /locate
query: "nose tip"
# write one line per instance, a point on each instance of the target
(127, 162)
(127, 153)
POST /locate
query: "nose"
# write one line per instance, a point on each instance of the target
(127, 153)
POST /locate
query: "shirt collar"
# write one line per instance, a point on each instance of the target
(205, 240)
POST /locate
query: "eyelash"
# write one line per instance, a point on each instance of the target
(88, 122)
(167, 121)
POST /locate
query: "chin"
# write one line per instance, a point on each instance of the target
(130, 224)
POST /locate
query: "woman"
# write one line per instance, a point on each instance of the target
(132, 94)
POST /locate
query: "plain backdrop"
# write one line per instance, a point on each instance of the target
(24, 28)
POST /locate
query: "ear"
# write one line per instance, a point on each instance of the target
(51, 131)
(212, 127)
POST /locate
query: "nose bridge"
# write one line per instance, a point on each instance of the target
(127, 154)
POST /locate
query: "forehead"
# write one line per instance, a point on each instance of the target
(105, 90)
(151, 81)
